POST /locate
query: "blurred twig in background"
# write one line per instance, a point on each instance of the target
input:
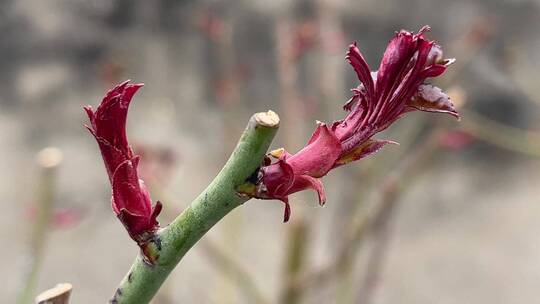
(501, 135)
(48, 161)
(228, 265)
(379, 223)
(298, 235)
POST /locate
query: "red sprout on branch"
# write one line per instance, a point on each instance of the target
(381, 98)
(130, 199)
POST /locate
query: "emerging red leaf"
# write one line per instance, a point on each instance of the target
(130, 199)
(382, 97)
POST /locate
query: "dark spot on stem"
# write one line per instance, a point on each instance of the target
(254, 177)
(130, 277)
(117, 294)
(157, 241)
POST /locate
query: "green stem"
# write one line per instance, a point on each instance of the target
(143, 281)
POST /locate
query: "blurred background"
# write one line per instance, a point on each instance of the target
(449, 216)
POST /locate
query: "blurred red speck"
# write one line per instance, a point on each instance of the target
(110, 70)
(227, 88)
(306, 38)
(211, 25)
(456, 140)
(66, 218)
(62, 218)
(482, 30)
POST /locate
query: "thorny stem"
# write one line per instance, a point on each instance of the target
(143, 281)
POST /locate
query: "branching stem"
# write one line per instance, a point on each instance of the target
(143, 281)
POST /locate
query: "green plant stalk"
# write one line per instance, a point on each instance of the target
(143, 281)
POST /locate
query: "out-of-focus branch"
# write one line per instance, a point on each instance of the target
(143, 280)
(501, 135)
(57, 295)
(414, 166)
(294, 261)
(223, 260)
(469, 45)
(48, 160)
(506, 137)
(381, 231)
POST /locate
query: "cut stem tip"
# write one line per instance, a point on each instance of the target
(267, 119)
(56, 295)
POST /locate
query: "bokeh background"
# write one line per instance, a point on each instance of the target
(449, 216)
